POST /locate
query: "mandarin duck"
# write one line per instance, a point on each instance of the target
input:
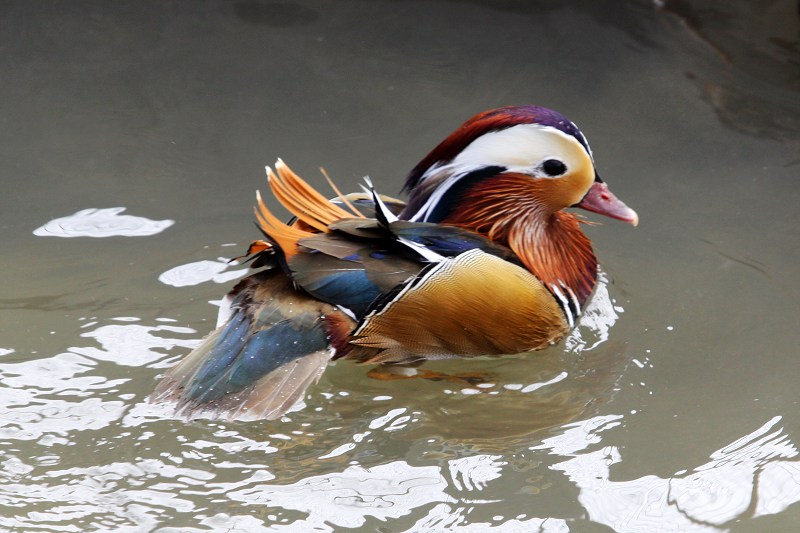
(481, 260)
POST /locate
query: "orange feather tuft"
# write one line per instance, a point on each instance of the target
(302, 200)
(285, 236)
(313, 211)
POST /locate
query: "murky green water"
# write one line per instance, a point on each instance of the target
(674, 409)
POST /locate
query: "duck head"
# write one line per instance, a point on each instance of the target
(538, 152)
(509, 173)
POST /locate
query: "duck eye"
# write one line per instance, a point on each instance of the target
(554, 167)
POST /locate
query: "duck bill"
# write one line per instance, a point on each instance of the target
(600, 200)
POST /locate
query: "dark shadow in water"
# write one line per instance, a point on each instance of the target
(749, 74)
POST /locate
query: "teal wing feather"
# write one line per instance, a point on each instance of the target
(260, 363)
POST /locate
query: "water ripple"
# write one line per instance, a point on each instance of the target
(313, 471)
(756, 475)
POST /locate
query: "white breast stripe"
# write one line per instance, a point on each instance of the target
(564, 303)
(574, 304)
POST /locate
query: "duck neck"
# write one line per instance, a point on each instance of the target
(550, 244)
(560, 255)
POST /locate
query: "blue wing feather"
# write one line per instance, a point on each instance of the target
(351, 288)
(222, 355)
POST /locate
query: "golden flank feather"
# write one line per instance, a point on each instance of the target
(460, 307)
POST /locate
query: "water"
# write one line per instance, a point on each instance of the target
(674, 410)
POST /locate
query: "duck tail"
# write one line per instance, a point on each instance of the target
(257, 365)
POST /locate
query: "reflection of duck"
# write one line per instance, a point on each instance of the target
(482, 260)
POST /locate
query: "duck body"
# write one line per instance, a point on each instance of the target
(481, 260)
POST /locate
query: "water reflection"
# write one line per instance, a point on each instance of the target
(50, 397)
(311, 473)
(99, 497)
(307, 472)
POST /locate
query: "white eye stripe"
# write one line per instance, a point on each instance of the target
(521, 148)
(585, 142)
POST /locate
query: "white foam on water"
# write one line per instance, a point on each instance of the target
(101, 223)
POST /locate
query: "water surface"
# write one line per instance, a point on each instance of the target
(140, 130)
